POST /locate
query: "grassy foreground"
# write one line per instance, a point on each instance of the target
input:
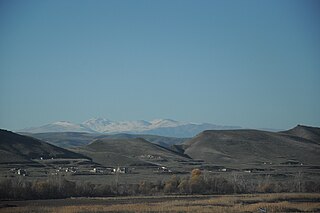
(289, 202)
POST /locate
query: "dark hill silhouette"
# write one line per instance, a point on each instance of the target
(19, 148)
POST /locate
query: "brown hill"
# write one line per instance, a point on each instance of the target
(130, 151)
(306, 132)
(235, 147)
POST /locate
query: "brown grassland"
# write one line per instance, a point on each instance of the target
(280, 202)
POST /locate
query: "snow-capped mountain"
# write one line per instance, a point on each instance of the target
(59, 126)
(158, 123)
(107, 126)
(97, 124)
(162, 127)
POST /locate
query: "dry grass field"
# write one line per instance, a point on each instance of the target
(288, 202)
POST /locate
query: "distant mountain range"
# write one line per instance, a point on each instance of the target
(162, 127)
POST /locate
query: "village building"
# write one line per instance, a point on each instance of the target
(22, 172)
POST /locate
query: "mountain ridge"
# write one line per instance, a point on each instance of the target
(161, 127)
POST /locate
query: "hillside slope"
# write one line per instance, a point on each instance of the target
(251, 146)
(306, 132)
(65, 139)
(19, 148)
(131, 151)
(155, 139)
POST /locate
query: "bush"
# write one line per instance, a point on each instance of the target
(171, 185)
(183, 187)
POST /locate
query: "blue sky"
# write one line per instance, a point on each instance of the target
(248, 63)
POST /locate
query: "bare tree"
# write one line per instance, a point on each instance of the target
(298, 181)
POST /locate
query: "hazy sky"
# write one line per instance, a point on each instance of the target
(248, 63)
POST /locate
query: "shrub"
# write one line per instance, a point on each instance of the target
(171, 185)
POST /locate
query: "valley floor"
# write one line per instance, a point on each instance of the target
(280, 202)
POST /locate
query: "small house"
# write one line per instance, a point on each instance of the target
(94, 170)
(122, 170)
(22, 172)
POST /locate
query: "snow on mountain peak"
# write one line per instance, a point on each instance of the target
(97, 120)
(166, 123)
(97, 124)
(164, 127)
(64, 123)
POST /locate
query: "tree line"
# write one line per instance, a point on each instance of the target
(197, 183)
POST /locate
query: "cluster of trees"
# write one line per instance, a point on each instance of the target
(196, 183)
